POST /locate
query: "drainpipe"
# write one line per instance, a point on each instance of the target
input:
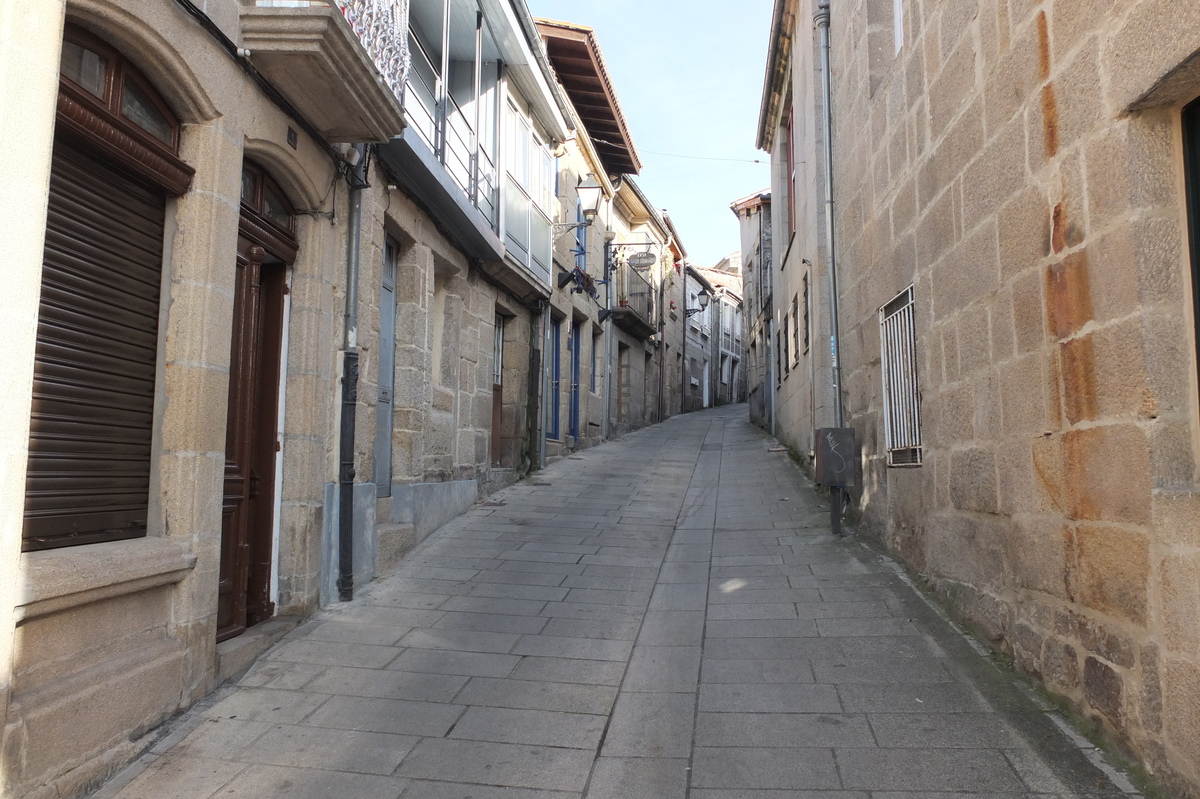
(683, 368)
(662, 332)
(544, 400)
(822, 20)
(771, 367)
(608, 342)
(358, 182)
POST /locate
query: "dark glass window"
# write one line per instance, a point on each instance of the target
(108, 80)
(261, 194)
(138, 108)
(85, 67)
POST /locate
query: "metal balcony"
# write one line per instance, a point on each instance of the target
(634, 311)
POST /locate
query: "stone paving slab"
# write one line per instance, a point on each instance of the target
(661, 617)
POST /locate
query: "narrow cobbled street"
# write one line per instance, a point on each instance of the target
(664, 616)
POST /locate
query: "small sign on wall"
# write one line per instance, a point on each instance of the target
(837, 456)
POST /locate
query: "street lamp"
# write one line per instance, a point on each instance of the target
(701, 298)
(590, 194)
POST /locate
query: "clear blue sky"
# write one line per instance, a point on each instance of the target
(689, 77)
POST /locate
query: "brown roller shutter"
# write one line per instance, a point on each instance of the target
(93, 395)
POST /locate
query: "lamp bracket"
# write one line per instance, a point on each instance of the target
(565, 227)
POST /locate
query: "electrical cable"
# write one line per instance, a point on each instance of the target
(689, 157)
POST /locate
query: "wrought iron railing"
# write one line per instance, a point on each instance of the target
(382, 27)
(635, 292)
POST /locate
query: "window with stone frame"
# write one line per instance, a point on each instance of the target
(1190, 117)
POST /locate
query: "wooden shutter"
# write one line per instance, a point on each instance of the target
(94, 374)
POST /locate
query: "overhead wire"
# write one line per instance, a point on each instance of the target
(690, 157)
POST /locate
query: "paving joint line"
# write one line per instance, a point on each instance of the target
(587, 785)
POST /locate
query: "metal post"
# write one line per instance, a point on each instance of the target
(608, 336)
(683, 369)
(822, 20)
(543, 403)
(771, 368)
(345, 582)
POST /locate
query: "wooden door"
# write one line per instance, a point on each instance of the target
(250, 442)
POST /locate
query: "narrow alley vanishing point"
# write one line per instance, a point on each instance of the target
(663, 616)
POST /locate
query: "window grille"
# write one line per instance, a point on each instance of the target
(806, 323)
(796, 351)
(901, 394)
(787, 360)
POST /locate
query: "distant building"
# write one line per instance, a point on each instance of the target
(754, 222)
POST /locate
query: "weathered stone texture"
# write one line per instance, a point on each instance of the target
(1018, 163)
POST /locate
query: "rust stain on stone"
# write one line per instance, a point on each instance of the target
(1077, 446)
(1050, 120)
(1068, 295)
(1049, 100)
(1054, 400)
(1063, 231)
(1058, 222)
(1043, 45)
(1079, 379)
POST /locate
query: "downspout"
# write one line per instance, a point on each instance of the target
(771, 365)
(822, 20)
(662, 331)
(358, 182)
(608, 337)
(835, 349)
(544, 400)
(683, 368)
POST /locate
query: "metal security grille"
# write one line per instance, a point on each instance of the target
(901, 395)
(97, 345)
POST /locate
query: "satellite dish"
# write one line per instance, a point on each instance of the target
(640, 260)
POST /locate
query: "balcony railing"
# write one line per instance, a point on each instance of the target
(635, 293)
(382, 27)
(445, 129)
(420, 101)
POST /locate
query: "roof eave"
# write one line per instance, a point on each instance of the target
(783, 21)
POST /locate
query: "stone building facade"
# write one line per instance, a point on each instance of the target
(1013, 185)
(608, 335)
(754, 227)
(238, 224)
(178, 388)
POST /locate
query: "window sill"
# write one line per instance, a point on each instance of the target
(57, 579)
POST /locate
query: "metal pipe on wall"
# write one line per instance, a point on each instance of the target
(821, 18)
(358, 182)
(771, 370)
(608, 341)
(543, 400)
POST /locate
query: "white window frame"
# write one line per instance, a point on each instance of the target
(529, 168)
(901, 391)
